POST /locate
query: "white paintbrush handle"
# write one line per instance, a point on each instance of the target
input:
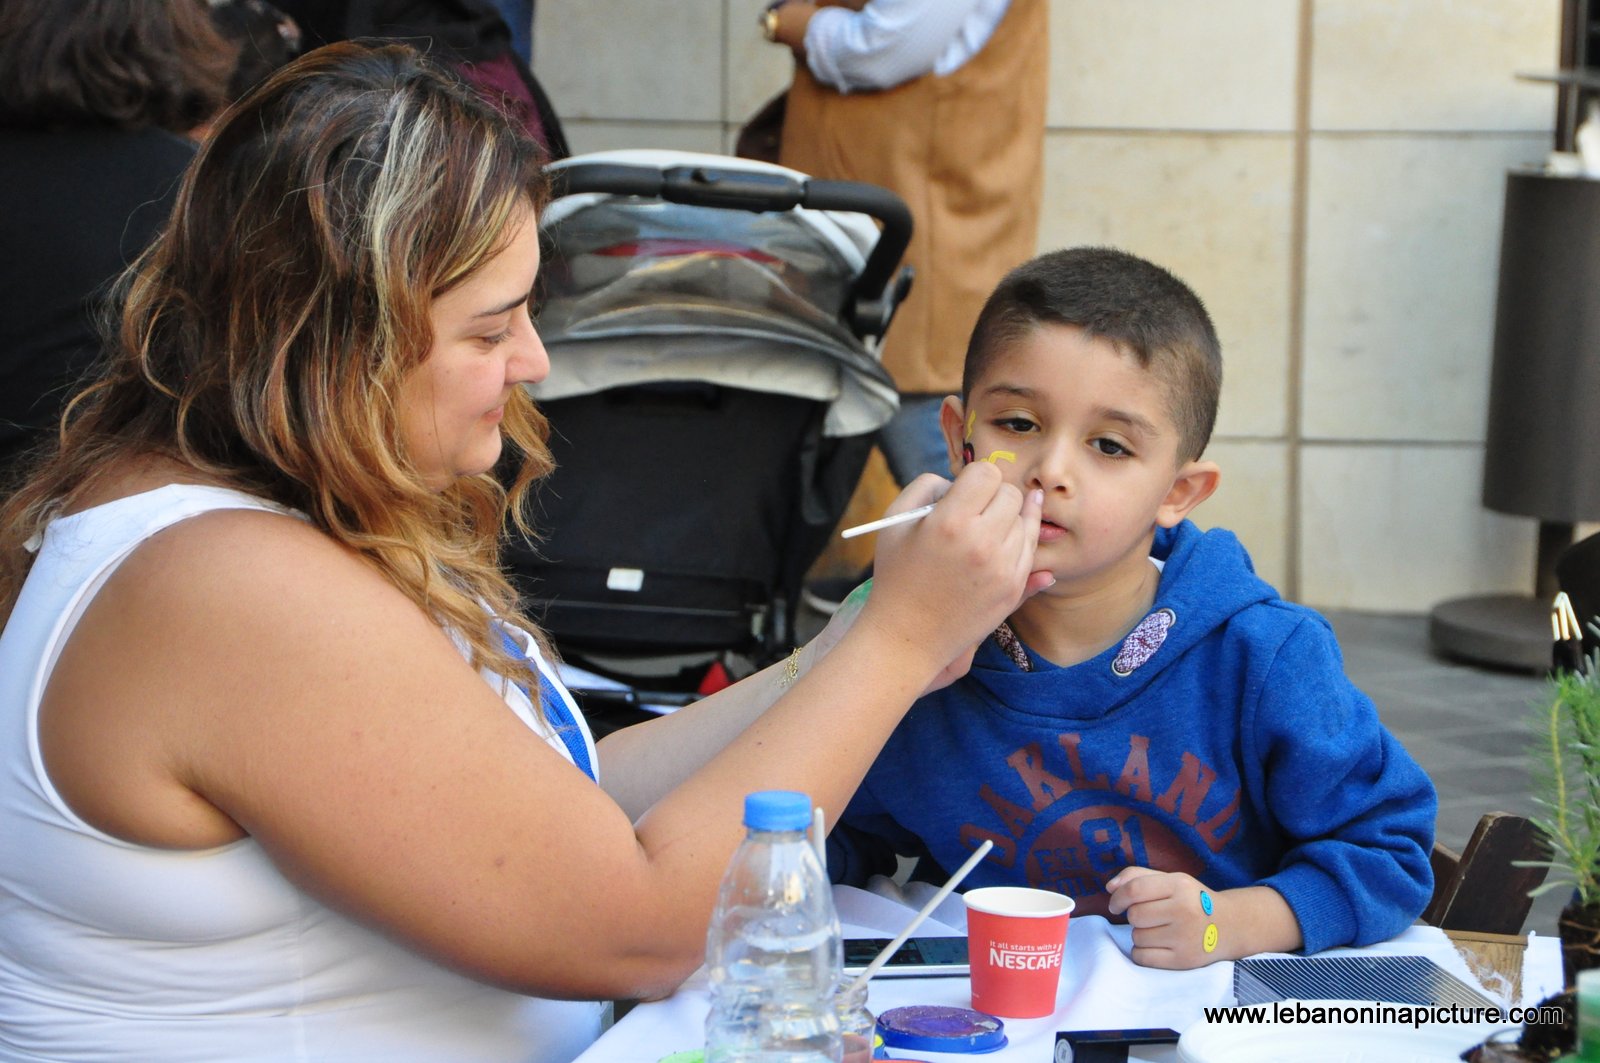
(887, 522)
(938, 898)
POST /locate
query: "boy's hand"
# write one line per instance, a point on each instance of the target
(1171, 926)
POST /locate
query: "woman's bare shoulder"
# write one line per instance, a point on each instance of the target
(211, 637)
(130, 475)
(245, 551)
(234, 576)
(256, 568)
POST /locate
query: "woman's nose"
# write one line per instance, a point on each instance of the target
(531, 362)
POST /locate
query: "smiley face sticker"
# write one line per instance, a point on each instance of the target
(1210, 940)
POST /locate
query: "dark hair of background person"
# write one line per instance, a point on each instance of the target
(98, 103)
(125, 63)
(470, 36)
(265, 36)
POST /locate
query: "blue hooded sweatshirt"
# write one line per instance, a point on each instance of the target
(1221, 738)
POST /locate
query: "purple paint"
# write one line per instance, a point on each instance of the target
(938, 1028)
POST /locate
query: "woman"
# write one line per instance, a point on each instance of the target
(263, 796)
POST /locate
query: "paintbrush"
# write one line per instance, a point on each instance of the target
(887, 522)
(944, 891)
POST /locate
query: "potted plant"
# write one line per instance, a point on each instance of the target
(1567, 791)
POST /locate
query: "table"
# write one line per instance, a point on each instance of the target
(1495, 960)
(1101, 988)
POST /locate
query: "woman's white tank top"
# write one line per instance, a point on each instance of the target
(116, 951)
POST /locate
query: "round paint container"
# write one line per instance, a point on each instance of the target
(935, 1028)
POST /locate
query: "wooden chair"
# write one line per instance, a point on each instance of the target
(1480, 889)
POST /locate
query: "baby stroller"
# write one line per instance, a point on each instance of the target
(714, 395)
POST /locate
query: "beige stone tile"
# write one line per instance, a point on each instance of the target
(1400, 529)
(586, 136)
(615, 59)
(1432, 64)
(1402, 257)
(1168, 64)
(1215, 210)
(1252, 501)
(757, 69)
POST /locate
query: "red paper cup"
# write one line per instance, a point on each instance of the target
(1015, 938)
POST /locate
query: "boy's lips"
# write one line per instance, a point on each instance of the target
(1049, 531)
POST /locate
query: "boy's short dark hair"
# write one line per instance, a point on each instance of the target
(1136, 305)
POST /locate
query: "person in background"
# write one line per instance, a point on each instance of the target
(475, 38)
(286, 774)
(519, 17)
(943, 103)
(96, 100)
(264, 37)
(1157, 735)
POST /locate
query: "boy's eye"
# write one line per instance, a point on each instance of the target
(1110, 448)
(1014, 424)
(498, 337)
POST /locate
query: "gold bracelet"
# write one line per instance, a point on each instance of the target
(791, 669)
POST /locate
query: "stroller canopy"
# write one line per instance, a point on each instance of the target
(638, 290)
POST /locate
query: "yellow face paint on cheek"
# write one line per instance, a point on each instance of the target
(994, 455)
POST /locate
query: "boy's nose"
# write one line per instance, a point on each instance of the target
(1053, 470)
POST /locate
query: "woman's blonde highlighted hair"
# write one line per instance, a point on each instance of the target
(265, 335)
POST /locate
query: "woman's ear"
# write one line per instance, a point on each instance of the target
(1193, 484)
(953, 423)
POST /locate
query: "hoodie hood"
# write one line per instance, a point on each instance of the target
(1206, 580)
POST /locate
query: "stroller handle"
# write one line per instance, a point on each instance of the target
(876, 292)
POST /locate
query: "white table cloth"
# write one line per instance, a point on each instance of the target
(1101, 988)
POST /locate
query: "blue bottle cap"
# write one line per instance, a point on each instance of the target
(777, 810)
(934, 1028)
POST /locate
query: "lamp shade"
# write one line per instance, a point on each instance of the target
(1542, 453)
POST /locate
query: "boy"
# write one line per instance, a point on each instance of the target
(1157, 734)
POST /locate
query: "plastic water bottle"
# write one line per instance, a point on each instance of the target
(774, 951)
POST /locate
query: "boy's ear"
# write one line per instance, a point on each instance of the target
(953, 423)
(1195, 482)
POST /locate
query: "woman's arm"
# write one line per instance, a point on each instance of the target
(302, 698)
(645, 761)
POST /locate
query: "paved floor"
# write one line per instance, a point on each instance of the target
(1470, 728)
